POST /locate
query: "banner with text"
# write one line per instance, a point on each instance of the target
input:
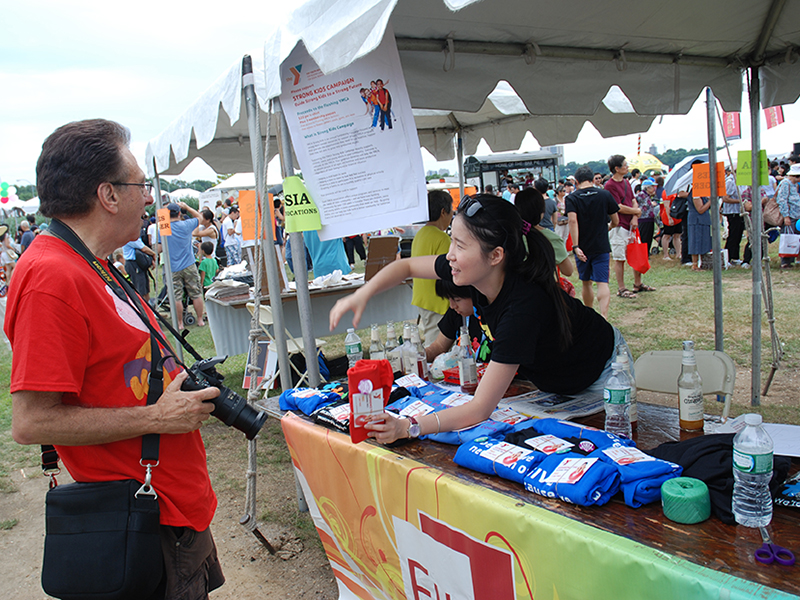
(355, 138)
(774, 116)
(731, 126)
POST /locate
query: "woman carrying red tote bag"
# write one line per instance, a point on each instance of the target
(636, 253)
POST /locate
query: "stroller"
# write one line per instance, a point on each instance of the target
(162, 305)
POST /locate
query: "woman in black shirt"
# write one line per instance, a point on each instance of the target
(536, 328)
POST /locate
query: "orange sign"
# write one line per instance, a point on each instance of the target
(162, 218)
(701, 180)
(247, 213)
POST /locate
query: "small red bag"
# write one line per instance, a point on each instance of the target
(637, 253)
(369, 383)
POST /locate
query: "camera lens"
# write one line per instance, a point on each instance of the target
(234, 411)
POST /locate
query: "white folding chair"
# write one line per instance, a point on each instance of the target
(658, 371)
(293, 346)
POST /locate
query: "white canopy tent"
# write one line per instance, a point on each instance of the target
(560, 58)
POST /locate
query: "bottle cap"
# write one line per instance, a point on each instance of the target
(753, 419)
(616, 365)
(350, 330)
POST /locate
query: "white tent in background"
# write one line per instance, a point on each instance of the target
(184, 193)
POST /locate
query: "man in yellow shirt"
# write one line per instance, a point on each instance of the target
(432, 240)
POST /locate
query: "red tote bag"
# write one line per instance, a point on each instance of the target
(637, 254)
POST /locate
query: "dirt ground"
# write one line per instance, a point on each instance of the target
(299, 569)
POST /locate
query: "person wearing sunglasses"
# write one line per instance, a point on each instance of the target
(536, 329)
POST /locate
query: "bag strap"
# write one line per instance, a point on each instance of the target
(125, 291)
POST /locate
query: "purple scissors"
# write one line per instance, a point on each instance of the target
(770, 553)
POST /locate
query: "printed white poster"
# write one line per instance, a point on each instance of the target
(356, 142)
(431, 569)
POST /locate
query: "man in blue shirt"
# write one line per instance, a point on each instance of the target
(181, 260)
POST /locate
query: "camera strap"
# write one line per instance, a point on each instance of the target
(123, 290)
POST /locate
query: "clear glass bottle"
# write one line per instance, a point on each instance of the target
(409, 351)
(420, 365)
(622, 358)
(467, 369)
(352, 347)
(690, 391)
(376, 350)
(394, 354)
(617, 402)
(752, 472)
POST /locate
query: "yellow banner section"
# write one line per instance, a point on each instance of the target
(301, 212)
(394, 528)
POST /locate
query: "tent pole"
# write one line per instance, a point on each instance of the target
(460, 159)
(167, 272)
(299, 259)
(755, 245)
(273, 280)
(716, 240)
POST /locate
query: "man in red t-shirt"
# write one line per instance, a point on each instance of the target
(83, 386)
(618, 237)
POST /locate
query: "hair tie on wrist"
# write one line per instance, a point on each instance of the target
(526, 227)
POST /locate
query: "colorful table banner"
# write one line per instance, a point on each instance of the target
(395, 529)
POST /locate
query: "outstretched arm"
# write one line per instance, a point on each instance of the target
(393, 274)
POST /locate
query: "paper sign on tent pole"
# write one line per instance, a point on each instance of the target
(744, 171)
(301, 211)
(164, 224)
(701, 180)
(356, 141)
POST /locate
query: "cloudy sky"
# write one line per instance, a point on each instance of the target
(143, 63)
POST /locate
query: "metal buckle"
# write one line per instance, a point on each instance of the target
(147, 488)
(51, 473)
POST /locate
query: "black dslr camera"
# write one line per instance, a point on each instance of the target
(229, 407)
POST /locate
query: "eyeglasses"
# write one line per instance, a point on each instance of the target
(147, 188)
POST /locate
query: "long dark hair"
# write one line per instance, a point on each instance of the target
(529, 256)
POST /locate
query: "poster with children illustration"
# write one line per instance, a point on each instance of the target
(355, 140)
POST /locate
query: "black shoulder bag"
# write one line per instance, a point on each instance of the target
(102, 538)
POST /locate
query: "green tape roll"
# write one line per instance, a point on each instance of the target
(685, 500)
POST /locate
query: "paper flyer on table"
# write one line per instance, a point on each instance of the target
(355, 139)
(540, 405)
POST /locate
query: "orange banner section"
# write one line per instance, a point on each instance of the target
(701, 180)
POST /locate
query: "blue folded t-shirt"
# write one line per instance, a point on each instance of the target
(496, 457)
(306, 399)
(582, 480)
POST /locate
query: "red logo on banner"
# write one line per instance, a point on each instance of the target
(484, 559)
(774, 115)
(731, 126)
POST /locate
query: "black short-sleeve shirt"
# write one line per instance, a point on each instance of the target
(592, 207)
(521, 322)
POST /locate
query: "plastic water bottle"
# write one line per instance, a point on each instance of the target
(622, 358)
(752, 472)
(394, 354)
(690, 391)
(467, 369)
(617, 401)
(376, 351)
(352, 347)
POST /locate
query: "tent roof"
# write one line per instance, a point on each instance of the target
(560, 58)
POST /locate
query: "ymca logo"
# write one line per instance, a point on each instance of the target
(296, 73)
(442, 563)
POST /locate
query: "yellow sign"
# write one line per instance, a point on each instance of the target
(701, 180)
(162, 218)
(744, 171)
(301, 212)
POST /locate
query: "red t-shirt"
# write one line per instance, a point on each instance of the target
(70, 333)
(623, 194)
